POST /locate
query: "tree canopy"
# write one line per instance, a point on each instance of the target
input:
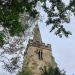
(10, 10)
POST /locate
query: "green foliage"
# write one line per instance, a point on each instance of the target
(10, 10)
(71, 6)
(12, 65)
(56, 19)
(9, 15)
(16, 29)
(14, 60)
(54, 71)
(1, 39)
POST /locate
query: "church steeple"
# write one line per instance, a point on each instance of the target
(37, 36)
(38, 56)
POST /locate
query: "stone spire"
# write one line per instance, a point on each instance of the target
(37, 36)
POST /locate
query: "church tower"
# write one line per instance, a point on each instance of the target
(38, 55)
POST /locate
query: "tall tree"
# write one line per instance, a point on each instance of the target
(10, 10)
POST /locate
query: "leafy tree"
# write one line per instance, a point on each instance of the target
(10, 10)
(1, 40)
(9, 15)
(12, 65)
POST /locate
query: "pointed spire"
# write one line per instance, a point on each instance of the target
(37, 36)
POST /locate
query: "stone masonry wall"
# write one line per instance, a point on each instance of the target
(32, 61)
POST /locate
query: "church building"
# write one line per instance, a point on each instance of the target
(38, 55)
